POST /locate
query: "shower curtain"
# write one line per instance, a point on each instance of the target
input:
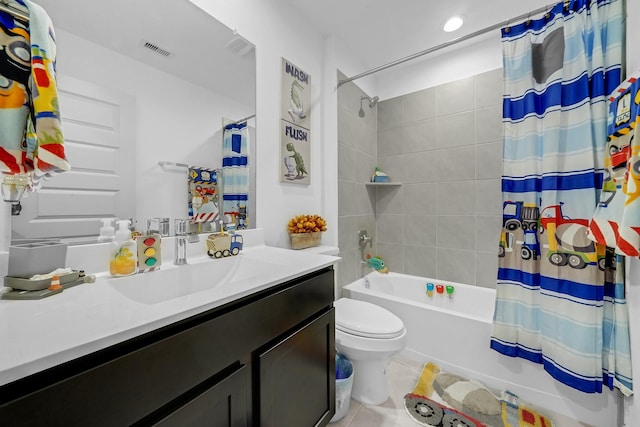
(235, 172)
(559, 295)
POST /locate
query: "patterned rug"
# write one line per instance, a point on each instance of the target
(446, 400)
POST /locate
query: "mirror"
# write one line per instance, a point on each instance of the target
(144, 88)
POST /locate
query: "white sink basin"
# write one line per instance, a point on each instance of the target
(225, 276)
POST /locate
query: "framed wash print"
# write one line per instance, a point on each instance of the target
(295, 125)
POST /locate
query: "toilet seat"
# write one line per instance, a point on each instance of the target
(361, 318)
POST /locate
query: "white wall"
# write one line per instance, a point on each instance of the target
(465, 60)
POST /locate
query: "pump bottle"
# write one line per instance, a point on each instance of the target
(107, 232)
(124, 253)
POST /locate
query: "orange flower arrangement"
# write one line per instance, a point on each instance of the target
(306, 224)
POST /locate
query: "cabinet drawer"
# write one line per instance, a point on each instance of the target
(222, 405)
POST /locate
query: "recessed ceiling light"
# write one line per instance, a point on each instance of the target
(453, 24)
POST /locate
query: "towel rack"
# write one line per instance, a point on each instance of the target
(163, 163)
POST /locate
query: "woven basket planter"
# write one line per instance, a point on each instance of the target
(305, 240)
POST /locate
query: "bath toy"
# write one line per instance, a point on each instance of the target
(377, 264)
(430, 287)
(440, 289)
(450, 289)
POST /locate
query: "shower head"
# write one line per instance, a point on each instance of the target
(372, 103)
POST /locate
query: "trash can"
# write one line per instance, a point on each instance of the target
(344, 383)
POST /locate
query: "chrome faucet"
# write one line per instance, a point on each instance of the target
(363, 240)
(180, 227)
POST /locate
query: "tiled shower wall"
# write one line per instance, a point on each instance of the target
(444, 145)
(357, 145)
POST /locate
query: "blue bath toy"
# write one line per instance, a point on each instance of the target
(430, 287)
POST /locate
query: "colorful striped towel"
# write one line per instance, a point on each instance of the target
(45, 140)
(32, 141)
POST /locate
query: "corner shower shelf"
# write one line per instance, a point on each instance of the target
(383, 184)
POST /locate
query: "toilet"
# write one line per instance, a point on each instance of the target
(369, 336)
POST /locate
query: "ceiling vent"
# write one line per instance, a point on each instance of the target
(156, 49)
(239, 46)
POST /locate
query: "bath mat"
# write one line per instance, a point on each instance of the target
(515, 414)
(469, 397)
(428, 412)
(445, 399)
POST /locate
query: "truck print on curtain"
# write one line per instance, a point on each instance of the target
(555, 285)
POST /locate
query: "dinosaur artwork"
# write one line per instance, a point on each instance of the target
(295, 118)
(297, 157)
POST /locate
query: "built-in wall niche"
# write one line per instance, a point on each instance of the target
(140, 83)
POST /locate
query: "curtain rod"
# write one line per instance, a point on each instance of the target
(242, 120)
(446, 44)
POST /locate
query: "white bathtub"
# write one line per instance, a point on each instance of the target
(455, 333)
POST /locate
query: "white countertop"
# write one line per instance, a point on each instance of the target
(39, 334)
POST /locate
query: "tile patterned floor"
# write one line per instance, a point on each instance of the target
(403, 375)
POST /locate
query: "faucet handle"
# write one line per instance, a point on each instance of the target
(363, 239)
(180, 227)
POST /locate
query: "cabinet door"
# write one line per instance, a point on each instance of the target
(297, 377)
(222, 405)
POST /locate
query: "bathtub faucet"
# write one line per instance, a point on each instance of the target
(363, 239)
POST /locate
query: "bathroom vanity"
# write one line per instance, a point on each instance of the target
(252, 350)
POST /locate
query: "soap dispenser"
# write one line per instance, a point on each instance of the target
(124, 255)
(107, 232)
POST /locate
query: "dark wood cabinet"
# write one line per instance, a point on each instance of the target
(267, 359)
(294, 387)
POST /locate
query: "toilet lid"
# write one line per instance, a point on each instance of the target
(364, 319)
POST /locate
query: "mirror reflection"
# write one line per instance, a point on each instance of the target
(146, 89)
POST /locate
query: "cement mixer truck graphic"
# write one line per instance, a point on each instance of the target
(567, 240)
